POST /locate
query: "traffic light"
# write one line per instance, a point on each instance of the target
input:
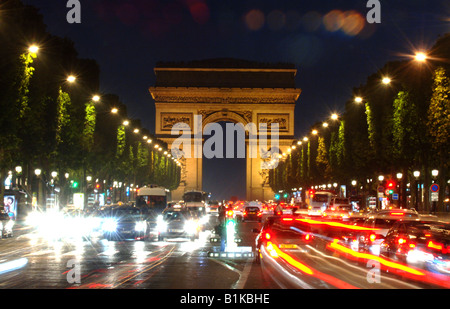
(311, 193)
(277, 196)
(74, 184)
(390, 185)
(285, 195)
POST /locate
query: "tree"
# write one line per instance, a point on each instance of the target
(439, 125)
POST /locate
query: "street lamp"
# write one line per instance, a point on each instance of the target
(434, 173)
(96, 98)
(33, 49)
(334, 116)
(386, 80)
(417, 175)
(114, 110)
(71, 78)
(420, 57)
(358, 100)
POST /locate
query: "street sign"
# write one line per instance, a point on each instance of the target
(434, 196)
(380, 189)
(395, 196)
(434, 187)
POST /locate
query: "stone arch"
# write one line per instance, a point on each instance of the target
(230, 91)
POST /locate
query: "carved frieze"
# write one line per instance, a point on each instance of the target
(269, 119)
(168, 120)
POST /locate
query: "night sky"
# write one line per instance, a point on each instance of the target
(329, 41)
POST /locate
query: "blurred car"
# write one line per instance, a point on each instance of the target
(213, 207)
(252, 213)
(339, 209)
(288, 233)
(421, 243)
(177, 223)
(6, 225)
(123, 222)
(300, 208)
(380, 221)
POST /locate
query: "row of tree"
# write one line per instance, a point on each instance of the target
(399, 126)
(51, 124)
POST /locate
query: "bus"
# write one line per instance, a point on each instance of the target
(152, 200)
(196, 199)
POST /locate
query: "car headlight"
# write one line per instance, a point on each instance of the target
(9, 225)
(109, 225)
(141, 226)
(190, 227)
(161, 226)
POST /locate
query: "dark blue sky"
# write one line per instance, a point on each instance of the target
(329, 41)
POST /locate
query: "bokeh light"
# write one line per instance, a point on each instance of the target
(254, 19)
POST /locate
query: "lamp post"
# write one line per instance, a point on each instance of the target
(417, 175)
(434, 173)
(400, 193)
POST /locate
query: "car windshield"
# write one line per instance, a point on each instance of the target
(255, 209)
(384, 223)
(174, 216)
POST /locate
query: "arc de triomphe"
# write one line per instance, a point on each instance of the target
(231, 90)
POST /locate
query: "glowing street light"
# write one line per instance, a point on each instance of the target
(136, 131)
(126, 122)
(334, 116)
(358, 100)
(305, 139)
(325, 124)
(96, 98)
(420, 57)
(71, 78)
(314, 132)
(386, 80)
(33, 49)
(114, 110)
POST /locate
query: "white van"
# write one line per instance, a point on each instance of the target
(318, 202)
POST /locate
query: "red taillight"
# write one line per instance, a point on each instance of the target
(230, 213)
(436, 246)
(308, 237)
(245, 213)
(287, 219)
(267, 236)
(372, 237)
(397, 213)
(401, 241)
(259, 214)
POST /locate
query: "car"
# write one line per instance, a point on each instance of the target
(252, 213)
(422, 243)
(339, 209)
(381, 221)
(123, 222)
(6, 225)
(288, 233)
(213, 207)
(177, 223)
